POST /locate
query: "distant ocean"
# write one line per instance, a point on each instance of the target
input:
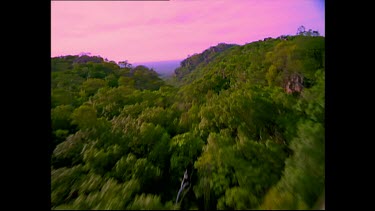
(164, 68)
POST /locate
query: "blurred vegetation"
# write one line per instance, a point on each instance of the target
(248, 119)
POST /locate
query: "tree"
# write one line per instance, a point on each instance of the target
(124, 64)
(61, 117)
(315, 33)
(184, 148)
(237, 198)
(65, 183)
(301, 30)
(303, 180)
(245, 143)
(111, 196)
(271, 75)
(126, 81)
(146, 202)
(60, 96)
(68, 153)
(92, 85)
(84, 117)
(112, 80)
(109, 102)
(124, 167)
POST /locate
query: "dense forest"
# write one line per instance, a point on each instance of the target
(237, 127)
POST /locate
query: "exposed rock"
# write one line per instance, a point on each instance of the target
(294, 83)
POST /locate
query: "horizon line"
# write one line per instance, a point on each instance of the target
(78, 54)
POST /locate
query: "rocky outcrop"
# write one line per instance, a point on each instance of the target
(294, 83)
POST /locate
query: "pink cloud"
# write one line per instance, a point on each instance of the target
(162, 30)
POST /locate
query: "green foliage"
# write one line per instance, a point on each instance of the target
(109, 102)
(91, 86)
(112, 80)
(313, 99)
(146, 202)
(146, 172)
(148, 136)
(192, 62)
(303, 181)
(245, 122)
(60, 135)
(111, 196)
(160, 153)
(237, 198)
(61, 96)
(65, 183)
(61, 123)
(93, 182)
(62, 63)
(126, 81)
(185, 148)
(84, 117)
(145, 78)
(124, 167)
(271, 74)
(61, 117)
(101, 160)
(68, 153)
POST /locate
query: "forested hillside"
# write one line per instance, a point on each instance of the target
(242, 127)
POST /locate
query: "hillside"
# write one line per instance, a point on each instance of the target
(192, 62)
(242, 129)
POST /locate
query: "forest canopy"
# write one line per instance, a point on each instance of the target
(236, 127)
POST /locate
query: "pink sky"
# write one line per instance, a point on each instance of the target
(170, 30)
